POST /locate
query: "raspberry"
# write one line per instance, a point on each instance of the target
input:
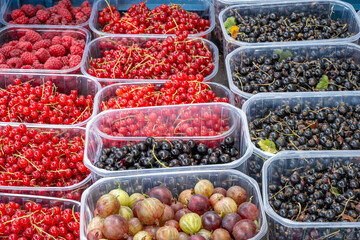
(6, 50)
(81, 20)
(86, 11)
(34, 20)
(17, 13)
(27, 67)
(66, 3)
(38, 65)
(39, 7)
(22, 20)
(14, 62)
(2, 58)
(79, 15)
(65, 60)
(49, 35)
(43, 15)
(56, 40)
(4, 66)
(75, 50)
(16, 53)
(46, 43)
(29, 10)
(80, 43)
(66, 41)
(13, 43)
(75, 61)
(32, 36)
(42, 54)
(57, 50)
(75, 10)
(85, 4)
(53, 63)
(24, 46)
(65, 14)
(28, 58)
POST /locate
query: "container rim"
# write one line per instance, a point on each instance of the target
(97, 97)
(285, 4)
(97, 89)
(65, 188)
(40, 197)
(95, 10)
(239, 50)
(287, 154)
(234, 164)
(89, 45)
(264, 226)
(6, 23)
(290, 95)
(48, 28)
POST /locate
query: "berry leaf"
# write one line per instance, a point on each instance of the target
(283, 55)
(230, 21)
(335, 191)
(324, 83)
(267, 146)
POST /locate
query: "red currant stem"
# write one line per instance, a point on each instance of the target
(192, 101)
(109, 6)
(182, 111)
(54, 88)
(20, 156)
(40, 231)
(171, 30)
(184, 120)
(7, 173)
(83, 112)
(43, 89)
(153, 152)
(177, 27)
(73, 214)
(10, 221)
(174, 95)
(119, 119)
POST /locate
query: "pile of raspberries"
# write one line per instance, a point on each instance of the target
(61, 14)
(47, 50)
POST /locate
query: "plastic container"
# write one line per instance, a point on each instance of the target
(236, 58)
(283, 228)
(176, 182)
(340, 10)
(59, 192)
(203, 8)
(13, 32)
(109, 92)
(96, 48)
(96, 140)
(259, 106)
(10, 5)
(65, 83)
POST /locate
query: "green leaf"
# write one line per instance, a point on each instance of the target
(267, 146)
(230, 21)
(257, 223)
(283, 55)
(324, 83)
(335, 191)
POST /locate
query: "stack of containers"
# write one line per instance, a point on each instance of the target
(96, 138)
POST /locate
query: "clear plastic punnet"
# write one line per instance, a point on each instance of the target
(337, 9)
(73, 191)
(98, 136)
(110, 92)
(203, 8)
(10, 5)
(96, 48)
(285, 163)
(14, 32)
(261, 104)
(64, 83)
(176, 182)
(323, 50)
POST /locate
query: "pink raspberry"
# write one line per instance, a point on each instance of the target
(57, 50)
(6, 50)
(13, 43)
(34, 20)
(75, 10)
(79, 15)
(2, 58)
(65, 60)
(80, 43)
(66, 41)
(17, 13)
(28, 58)
(16, 53)
(22, 20)
(32, 36)
(82, 20)
(43, 15)
(42, 54)
(4, 66)
(85, 4)
(66, 3)
(24, 46)
(65, 14)
(46, 43)
(53, 63)
(49, 35)
(14, 62)
(86, 11)
(75, 60)
(29, 10)
(75, 50)
(27, 67)
(38, 65)
(56, 40)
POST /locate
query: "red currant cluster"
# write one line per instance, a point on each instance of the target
(36, 222)
(22, 102)
(139, 19)
(167, 122)
(172, 93)
(41, 158)
(153, 60)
